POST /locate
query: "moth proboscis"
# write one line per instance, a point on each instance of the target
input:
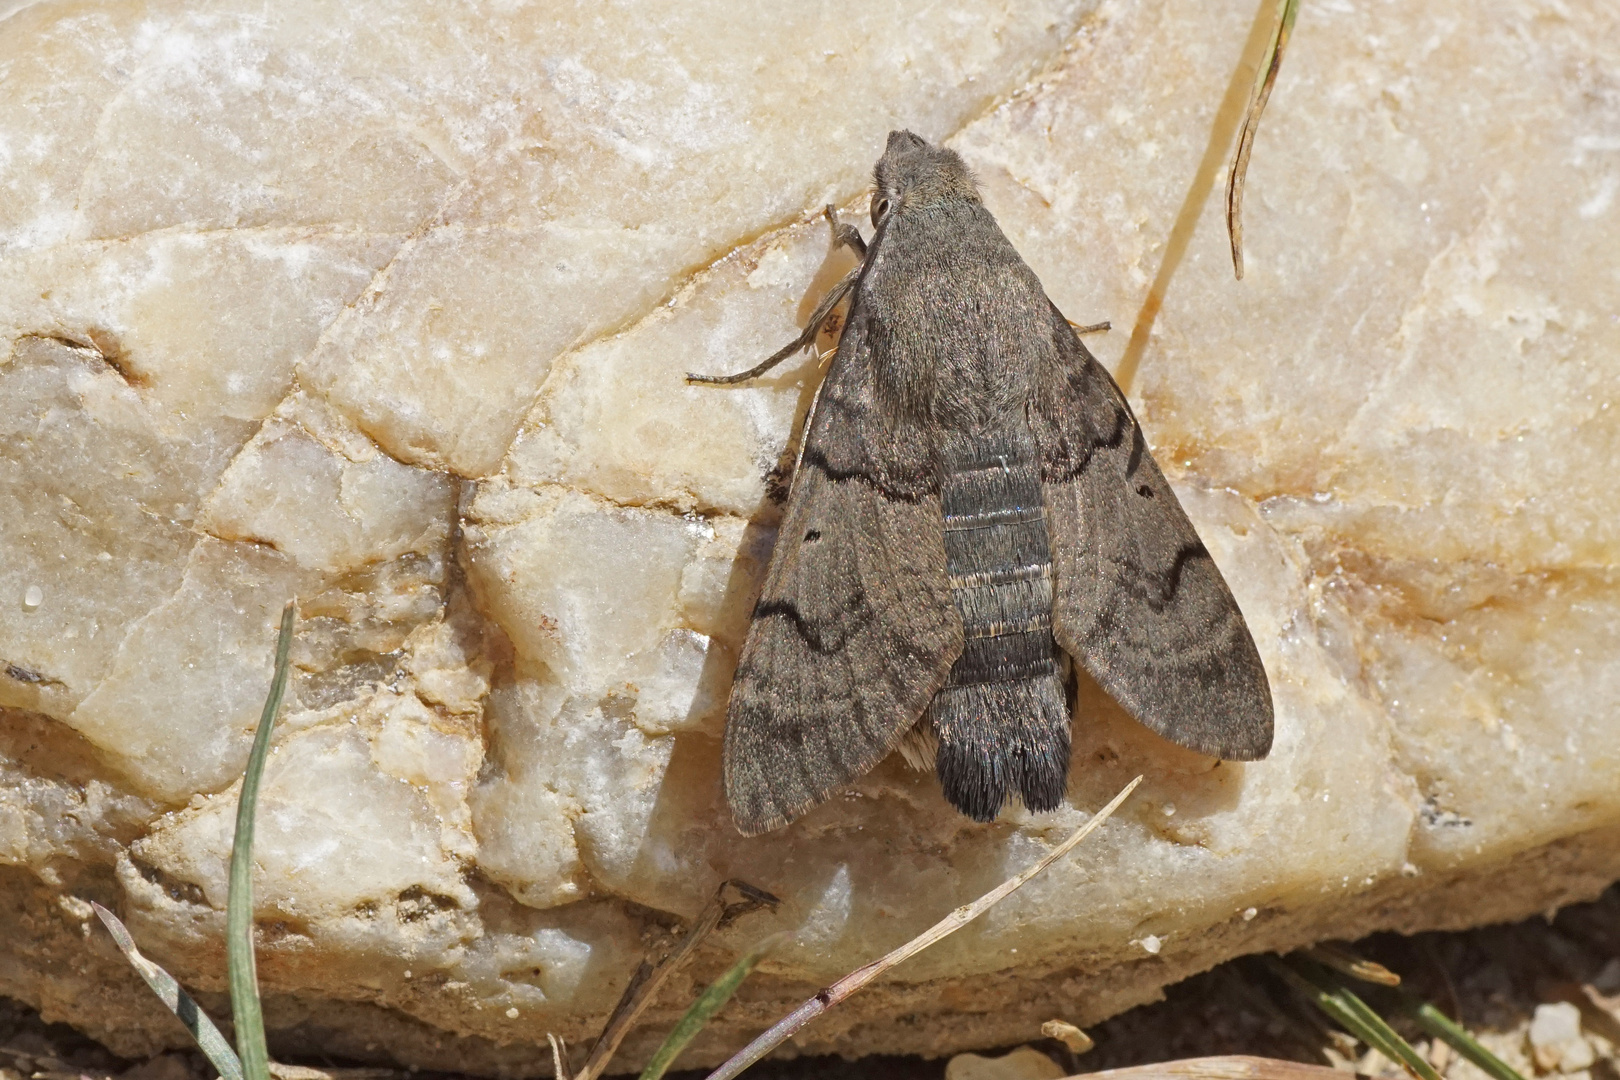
(974, 504)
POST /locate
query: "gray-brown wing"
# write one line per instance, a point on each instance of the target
(1137, 598)
(855, 630)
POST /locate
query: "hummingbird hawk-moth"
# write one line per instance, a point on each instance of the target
(973, 506)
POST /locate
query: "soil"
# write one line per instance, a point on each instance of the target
(1493, 979)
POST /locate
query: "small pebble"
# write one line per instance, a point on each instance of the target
(33, 597)
(1066, 1033)
(1024, 1063)
(1555, 1039)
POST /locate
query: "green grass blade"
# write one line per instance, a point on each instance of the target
(244, 977)
(214, 1045)
(708, 1003)
(1327, 992)
(1441, 1026)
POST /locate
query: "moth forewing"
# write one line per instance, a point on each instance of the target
(1139, 601)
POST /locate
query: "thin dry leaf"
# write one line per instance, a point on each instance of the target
(1233, 1067)
(559, 1058)
(209, 1039)
(1228, 118)
(1265, 78)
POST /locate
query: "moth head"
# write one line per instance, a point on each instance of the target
(912, 173)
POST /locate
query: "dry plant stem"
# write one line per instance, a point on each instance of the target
(1239, 90)
(1342, 960)
(1286, 10)
(305, 1072)
(1236, 1067)
(843, 988)
(559, 1057)
(649, 977)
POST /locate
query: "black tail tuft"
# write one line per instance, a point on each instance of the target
(997, 740)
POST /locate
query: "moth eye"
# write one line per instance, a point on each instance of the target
(880, 208)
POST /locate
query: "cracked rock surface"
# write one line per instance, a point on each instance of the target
(386, 307)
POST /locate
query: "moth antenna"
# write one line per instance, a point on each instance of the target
(803, 341)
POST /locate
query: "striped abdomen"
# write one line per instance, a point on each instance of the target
(1002, 719)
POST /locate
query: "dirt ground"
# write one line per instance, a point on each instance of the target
(1543, 994)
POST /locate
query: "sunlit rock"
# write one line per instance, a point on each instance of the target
(388, 312)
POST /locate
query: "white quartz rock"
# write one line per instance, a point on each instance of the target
(372, 835)
(97, 495)
(134, 373)
(617, 416)
(325, 510)
(58, 810)
(182, 699)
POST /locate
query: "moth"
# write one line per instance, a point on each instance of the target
(974, 507)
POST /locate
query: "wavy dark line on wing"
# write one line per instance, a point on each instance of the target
(789, 611)
(1114, 440)
(815, 456)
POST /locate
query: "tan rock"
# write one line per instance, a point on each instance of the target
(387, 309)
(1023, 1063)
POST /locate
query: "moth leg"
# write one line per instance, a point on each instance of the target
(1094, 328)
(844, 235)
(804, 340)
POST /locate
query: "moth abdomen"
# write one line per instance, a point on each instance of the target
(1001, 722)
(1009, 656)
(997, 739)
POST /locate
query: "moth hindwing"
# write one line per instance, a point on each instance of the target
(974, 504)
